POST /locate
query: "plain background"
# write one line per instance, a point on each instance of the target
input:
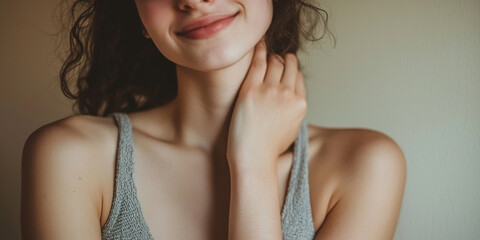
(410, 69)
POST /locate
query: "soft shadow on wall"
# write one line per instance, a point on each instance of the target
(29, 93)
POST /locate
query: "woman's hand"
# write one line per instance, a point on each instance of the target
(269, 110)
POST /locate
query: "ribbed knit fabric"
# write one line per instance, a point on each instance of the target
(297, 219)
(126, 220)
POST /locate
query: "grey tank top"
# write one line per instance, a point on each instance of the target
(126, 221)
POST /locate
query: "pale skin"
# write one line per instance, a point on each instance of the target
(196, 178)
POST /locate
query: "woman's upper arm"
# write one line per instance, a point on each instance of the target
(371, 194)
(60, 196)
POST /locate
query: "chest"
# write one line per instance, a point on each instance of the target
(186, 195)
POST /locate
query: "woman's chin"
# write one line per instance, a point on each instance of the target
(214, 63)
(212, 66)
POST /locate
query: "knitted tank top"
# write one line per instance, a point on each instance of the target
(126, 221)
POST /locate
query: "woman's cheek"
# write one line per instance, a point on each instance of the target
(155, 15)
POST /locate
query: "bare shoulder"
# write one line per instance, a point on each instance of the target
(61, 171)
(354, 149)
(367, 150)
(73, 137)
(72, 128)
(368, 172)
(75, 126)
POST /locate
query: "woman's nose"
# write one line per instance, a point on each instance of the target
(186, 5)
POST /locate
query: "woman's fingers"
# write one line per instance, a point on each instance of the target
(300, 85)
(258, 67)
(274, 69)
(290, 73)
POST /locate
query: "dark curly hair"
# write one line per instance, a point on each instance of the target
(115, 68)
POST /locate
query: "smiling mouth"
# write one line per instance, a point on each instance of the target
(208, 30)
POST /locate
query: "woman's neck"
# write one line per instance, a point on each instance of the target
(202, 110)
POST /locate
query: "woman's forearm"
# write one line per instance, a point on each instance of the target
(254, 204)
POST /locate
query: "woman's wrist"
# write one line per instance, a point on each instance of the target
(258, 165)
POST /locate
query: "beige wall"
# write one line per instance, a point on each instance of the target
(410, 69)
(29, 94)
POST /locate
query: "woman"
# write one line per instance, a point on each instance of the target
(193, 128)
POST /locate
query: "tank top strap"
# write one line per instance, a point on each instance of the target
(125, 220)
(125, 164)
(297, 219)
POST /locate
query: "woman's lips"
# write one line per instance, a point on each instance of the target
(209, 29)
